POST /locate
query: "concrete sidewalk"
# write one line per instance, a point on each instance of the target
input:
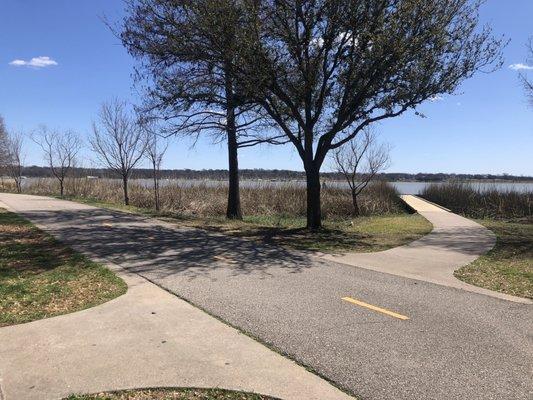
(454, 242)
(145, 338)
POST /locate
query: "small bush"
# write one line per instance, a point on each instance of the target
(478, 202)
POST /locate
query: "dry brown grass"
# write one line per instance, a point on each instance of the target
(203, 200)
(472, 201)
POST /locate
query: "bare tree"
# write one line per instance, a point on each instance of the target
(14, 165)
(359, 161)
(60, 149)
(325, 70)
(188, 50)
(156, 148)
(528, 83)
(118, 140)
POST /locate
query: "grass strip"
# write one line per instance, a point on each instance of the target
(40, 277)
(508, 267)
(172, 394)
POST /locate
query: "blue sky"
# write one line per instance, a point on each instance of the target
(486, 128)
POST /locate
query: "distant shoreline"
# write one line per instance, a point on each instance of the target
(280, 175)
(302, 180)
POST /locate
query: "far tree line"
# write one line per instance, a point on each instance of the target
(317, 75)
(35, 171)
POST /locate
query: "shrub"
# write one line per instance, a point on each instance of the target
(481, 202)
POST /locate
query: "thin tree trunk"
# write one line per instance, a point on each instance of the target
(61, 187)
(157, 197)
(156, 188)
(234, 199)
(314, 213)
(156, 194)
(125, 188)
(356, 211)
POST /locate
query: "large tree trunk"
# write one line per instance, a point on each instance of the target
(234, 199)
(125, 189)
(356, 211)
(314, 213)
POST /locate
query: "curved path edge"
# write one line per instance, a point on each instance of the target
(454, 242)
(144, 338)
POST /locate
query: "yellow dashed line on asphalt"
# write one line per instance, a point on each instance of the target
(375, 308)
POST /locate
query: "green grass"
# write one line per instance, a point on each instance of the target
(172, 394)
(362, 234)
(40, 277)
(507, 268)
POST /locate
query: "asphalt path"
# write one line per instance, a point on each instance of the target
(454, 345)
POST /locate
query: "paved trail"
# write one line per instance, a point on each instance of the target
(454, 241)
(455, 345)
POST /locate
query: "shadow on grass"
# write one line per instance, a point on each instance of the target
(300, 238)
(514, 238)
(40, 277)
(24, 249)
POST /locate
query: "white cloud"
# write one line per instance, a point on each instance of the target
(35, 62)
(436, 98)
(520, 66)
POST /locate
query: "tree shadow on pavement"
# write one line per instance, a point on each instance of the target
(468, 240)
(144, 245)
